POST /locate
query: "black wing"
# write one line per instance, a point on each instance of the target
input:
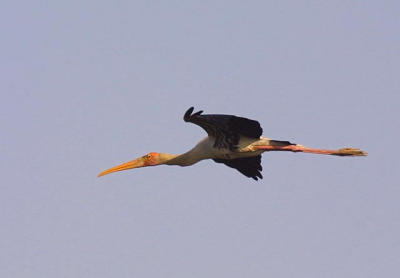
(226, 129)
(248, 166)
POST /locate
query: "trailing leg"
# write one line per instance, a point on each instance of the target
(301, 148)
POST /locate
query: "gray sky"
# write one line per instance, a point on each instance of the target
(86, 85)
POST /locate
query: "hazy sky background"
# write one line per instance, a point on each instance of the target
(86, 85)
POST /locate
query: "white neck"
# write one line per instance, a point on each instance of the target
(201, 151)
(185, 159)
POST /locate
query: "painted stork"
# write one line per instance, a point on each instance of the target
(233, 141)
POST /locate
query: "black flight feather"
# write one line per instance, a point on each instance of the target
(248, 166)
(226, 129)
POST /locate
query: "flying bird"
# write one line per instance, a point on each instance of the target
(233, 141)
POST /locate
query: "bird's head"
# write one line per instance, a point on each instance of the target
(150, 159)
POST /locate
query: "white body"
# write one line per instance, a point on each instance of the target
(205, 150)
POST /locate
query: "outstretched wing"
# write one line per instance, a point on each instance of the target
(226, 129)
(248, 166)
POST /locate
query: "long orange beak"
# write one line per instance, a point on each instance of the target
(140, 162)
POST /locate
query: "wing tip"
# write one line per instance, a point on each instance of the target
(188, 114)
